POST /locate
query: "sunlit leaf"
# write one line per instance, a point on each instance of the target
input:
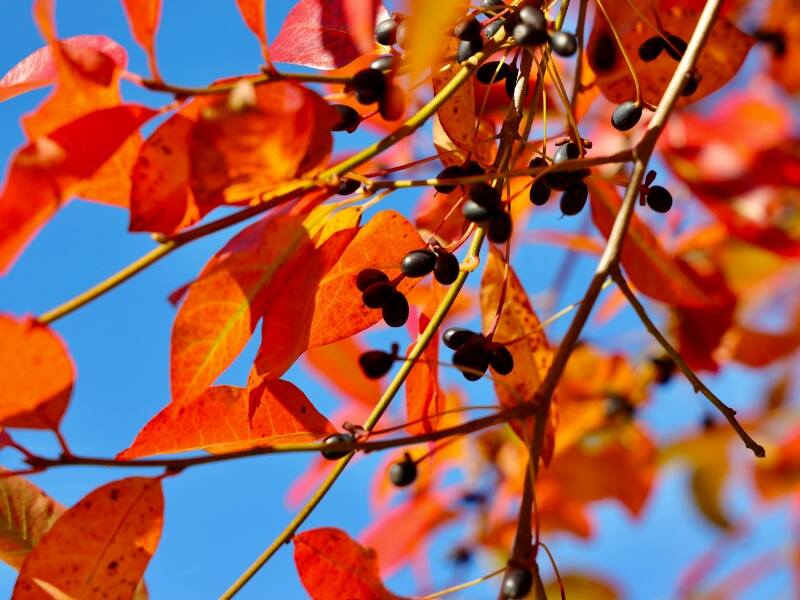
(144, 16)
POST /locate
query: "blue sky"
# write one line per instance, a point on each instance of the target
(219, 517)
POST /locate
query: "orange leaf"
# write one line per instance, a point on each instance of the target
(26, 513)
(337, 365)
(144, 16)
(457, 114)
(228, 419)
(36, 375)
(360, 15)
(332, 566)
(100, 547)
(430, 22)
(254, 15)
(424, 398)
(47, 171)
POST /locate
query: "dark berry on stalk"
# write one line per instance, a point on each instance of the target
(511, 21)
(574, 199)
(491, 72)
(604, 54)
(369, 85)
(347, 186)
(474, 212)
(500, 227)
(467, 48)
(485, 195)
(500, 359)
(376, 363)
(337, 438)
(383, 63)
(527, 35)
(452, 172)
(650, 177)
(568, 151)
(467, 29)
(377, 294)
(454, 337)
(563, 43)
(472, 358)
(511, 81)
(626, 115)
(658, 198)
(366, 277)
(651, 48)
(691, 85)
(395, 310)
(474, 168)
(517, 582)
(446, 268)
(495, 5)
(539, 192)
(392, 104)
(664, 369)
(418, 263)
(386, 32)
(676, 47)
(348, 118)
(530, 15)
(493, 28)
(536, 162)
(403, 473)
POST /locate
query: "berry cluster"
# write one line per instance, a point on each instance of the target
(570, 182)
(483, 206)
(674, 46)
(378, 292)
(376, 363)
(442, 263)
(456, 171)
(474, 353)
(495, 72)
(529, 27)
(656, 197)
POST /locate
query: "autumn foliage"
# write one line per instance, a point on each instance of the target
(655, 139)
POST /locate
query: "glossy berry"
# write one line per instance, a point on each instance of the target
(474, 168)
(517, 582)
(495, 5)
(537, 162)
(376, 363)
(500, 227)
(511, 81)
(493, 28)
(604, 54)
(676, 47)
(452, 172)
(347, 187)
(691, 85)
(574, 199)
(386, 32)
(474, 212)
(485, 195)
(492, 72)
(530, 15)
(348, 118)
(454, 337)
(337, 438)
(383, 63)
(403, 473)
(568, 151)
(500, 359)
(377, 294)
(563, 43)
(626, 115)
(369, 85)
(651, 48)
(366, 277)
(527, 35)
(539, 192)
(395, 310)
(658, 198)
(472, 358)
(468, 29)
(418, 263)
(446, 268)
(467, 48)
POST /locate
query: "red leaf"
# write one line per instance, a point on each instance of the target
(100, 547)
(144, 16)
(361, 18)
(49, 170)
(332, 566)
(316, 34)
(254, 14)
(39, 68)
(36, 375)
(228, 419)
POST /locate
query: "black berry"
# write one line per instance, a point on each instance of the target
(530, 15)
(495, 5)
(604, 55)
(500, 227)
(474, 212)
(348, 118)
(395, 310)
(491, 72)
(539, 192)
(537, 162)
(369, 85)
(568, 151)
(467, 48)
(472, 358)
(418, 263)
(452, 172)
(517, 582)
(474, 168)
(493, 28)
(659, 199)
(454, 337)
(574, 199)
(664, 369)
(626, 115)
(563, 43)
(376, 363)
(485, 195)
(386, 32)
(403, 473)
(691, 85)
(446, 268)
(500, 359)
(377, 294)
(651, 48)
(511, 81)
(383, 63)
(366, 277)
(347, 187)
(468, 29)
(676, 47)
(337, 438)
(526, 35)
